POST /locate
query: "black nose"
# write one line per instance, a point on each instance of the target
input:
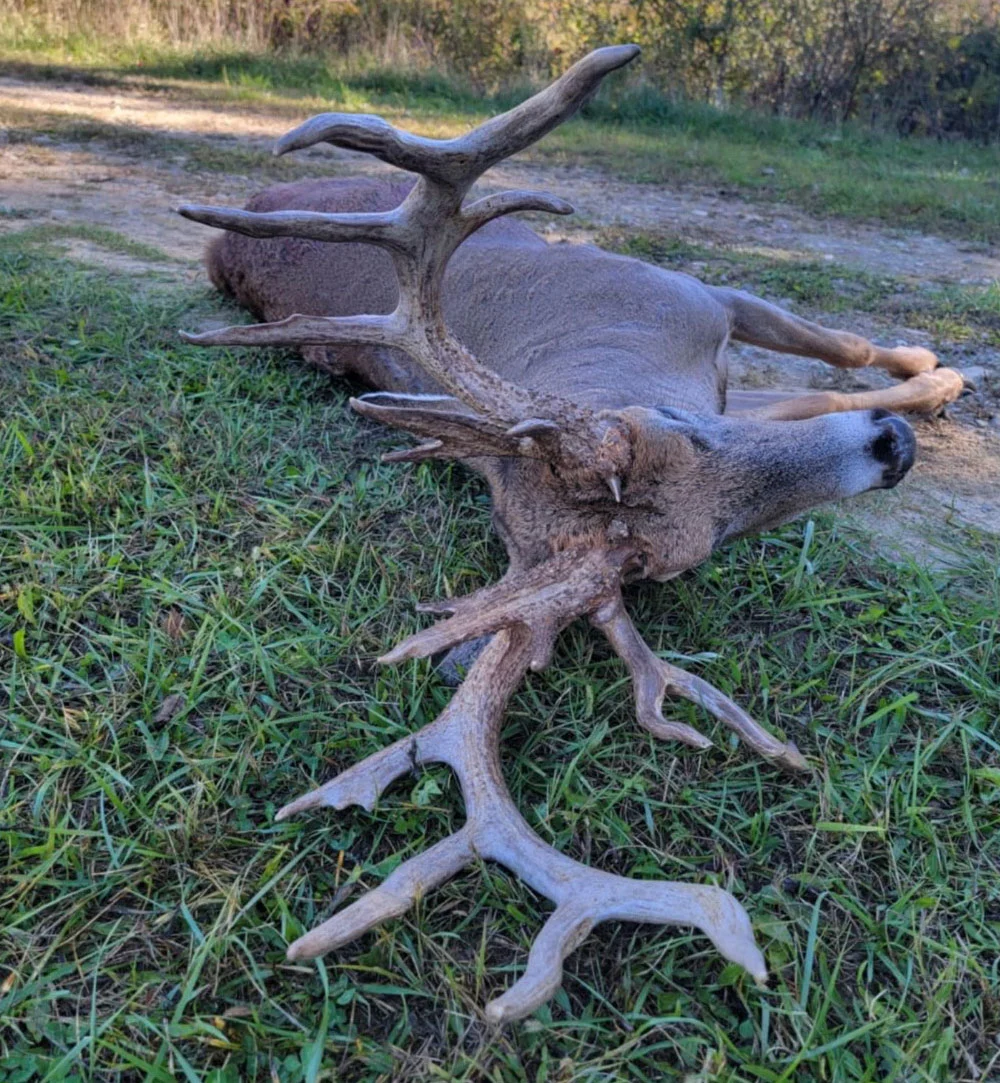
(894, 446)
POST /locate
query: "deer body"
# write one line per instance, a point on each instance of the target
(590, 389)
(605, 330)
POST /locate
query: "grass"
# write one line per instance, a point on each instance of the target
(47, 234)
(200, 556)
(629, 131)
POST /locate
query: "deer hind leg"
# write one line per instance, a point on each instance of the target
(761, 324)
(923, 394)
(925, 387)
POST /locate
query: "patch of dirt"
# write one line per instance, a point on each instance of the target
(776, 230)
(133, 189)
(952, 493)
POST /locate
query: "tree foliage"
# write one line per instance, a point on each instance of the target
(926, 66)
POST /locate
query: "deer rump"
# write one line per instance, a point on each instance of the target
(589, 389)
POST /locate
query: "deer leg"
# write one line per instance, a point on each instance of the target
(762, 324)
(923, 394)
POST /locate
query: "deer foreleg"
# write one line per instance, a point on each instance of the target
(923, 394)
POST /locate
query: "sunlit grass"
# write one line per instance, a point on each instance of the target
(200, 557)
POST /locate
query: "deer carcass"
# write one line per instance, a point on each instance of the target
(590, 390)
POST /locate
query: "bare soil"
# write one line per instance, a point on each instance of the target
(84, 176)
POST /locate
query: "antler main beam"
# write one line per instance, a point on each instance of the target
(421, 234)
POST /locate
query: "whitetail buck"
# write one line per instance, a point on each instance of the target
(590, 390)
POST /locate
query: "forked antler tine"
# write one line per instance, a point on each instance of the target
(543, 599)
(598, 897)
(654, 678)
(456, 163)
(363, 783)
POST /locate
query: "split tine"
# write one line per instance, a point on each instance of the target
(364, 783)
(653, 678)
(456, 163)
(784, 754)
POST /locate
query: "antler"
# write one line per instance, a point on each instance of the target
(526, 611)
(652, 679)
(421, 234)
(466, 737)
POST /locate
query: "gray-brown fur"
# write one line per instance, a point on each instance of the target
(604, 330)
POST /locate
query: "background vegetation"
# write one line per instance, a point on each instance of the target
(925, 66)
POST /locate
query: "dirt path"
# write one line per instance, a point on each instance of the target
(87, 176)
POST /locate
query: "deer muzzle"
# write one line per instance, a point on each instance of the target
(894, 447)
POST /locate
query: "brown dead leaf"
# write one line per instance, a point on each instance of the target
(170, 707)
(173, 624)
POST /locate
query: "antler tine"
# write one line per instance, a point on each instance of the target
(385, 229)
(652, 679)
(421, 234)
(307, 331)
(466, 737)
(543, 599)
(458, 163)
(381, 229)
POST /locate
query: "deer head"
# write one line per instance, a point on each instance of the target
(585, 499)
